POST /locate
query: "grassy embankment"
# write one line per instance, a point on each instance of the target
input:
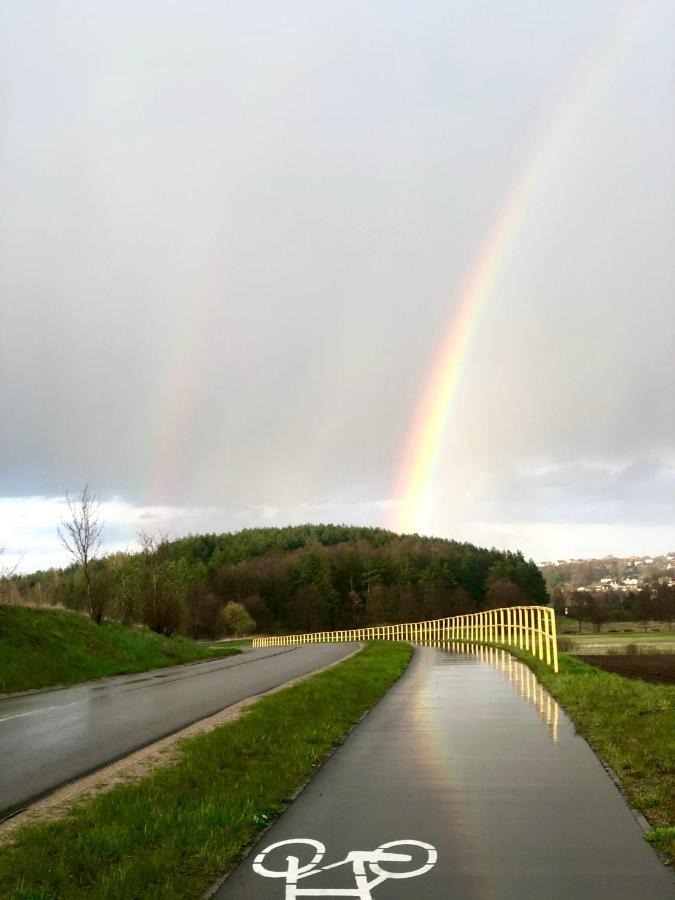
(631, 726)
(172, 834)
(44, 647)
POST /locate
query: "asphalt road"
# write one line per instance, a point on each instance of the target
(472, 760)
(52, 737)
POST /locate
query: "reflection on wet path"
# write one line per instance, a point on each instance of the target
(467, 753)
(519, 676)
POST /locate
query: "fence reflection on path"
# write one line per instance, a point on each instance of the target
(519, 676)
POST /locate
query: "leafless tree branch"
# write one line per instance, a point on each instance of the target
(80, 534)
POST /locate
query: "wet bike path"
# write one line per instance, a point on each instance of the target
(476, 779)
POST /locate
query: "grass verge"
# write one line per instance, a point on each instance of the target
(45, 647)
(631, 726)
(175, 832)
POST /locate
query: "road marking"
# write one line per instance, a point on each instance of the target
(43, 709)
(359, 860)
(122, 686)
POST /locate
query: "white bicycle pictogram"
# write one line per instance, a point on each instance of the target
(364, 863)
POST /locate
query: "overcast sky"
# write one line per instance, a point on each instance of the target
(232, 236)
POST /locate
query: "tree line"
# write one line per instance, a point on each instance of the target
(275, 580)
(653, 602)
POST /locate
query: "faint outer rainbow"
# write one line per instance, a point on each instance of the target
(426, 437)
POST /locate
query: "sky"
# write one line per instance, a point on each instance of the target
(235, 244)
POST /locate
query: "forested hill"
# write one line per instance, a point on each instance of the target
(299, 578)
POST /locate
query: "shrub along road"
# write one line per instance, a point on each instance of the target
(52, 737)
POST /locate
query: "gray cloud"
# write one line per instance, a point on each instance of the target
(231, 237)
(641, 493)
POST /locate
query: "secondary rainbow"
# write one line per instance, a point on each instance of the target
(426, 437)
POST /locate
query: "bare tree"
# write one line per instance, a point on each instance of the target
(7, 570)
(7, 589)
(80, 534)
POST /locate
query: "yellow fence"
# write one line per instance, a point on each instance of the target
(530, 628)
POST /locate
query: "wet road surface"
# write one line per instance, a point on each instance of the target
(470, 758)
(51, 737)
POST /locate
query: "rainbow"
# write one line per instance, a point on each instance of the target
(426, 437)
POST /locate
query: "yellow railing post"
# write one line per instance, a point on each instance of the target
(539, 634)
(526, 627)
(547, 637)
(554, 641)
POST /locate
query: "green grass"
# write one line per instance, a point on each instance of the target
(44, 647)
(240, 643)
(631, 726)
(174, 833)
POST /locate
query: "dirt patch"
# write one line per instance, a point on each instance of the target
(656, 667)
(137, 765)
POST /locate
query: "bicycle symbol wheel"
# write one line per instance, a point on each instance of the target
(296, 848)
(431, 858)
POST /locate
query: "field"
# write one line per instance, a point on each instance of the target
(618, 642)
(649, 655)
(656, 667)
